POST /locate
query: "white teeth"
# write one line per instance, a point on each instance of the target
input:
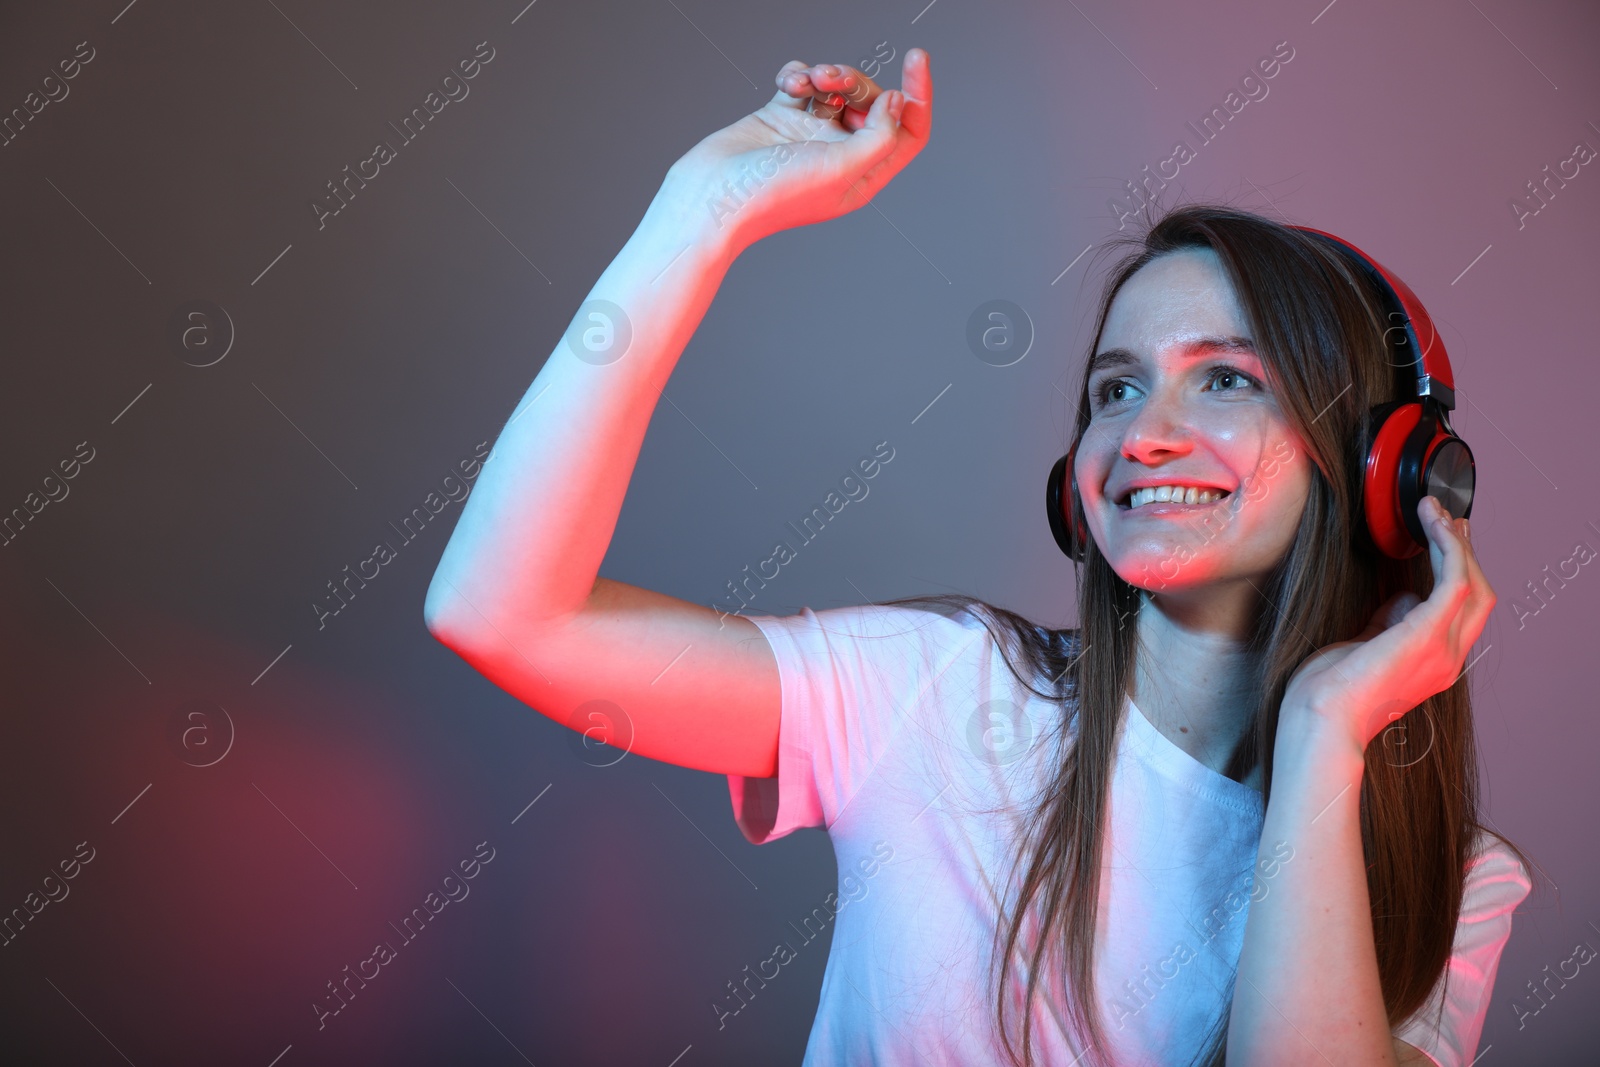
(1178, 494)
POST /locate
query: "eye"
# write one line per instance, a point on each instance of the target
(1111, 391)
(1232, 376)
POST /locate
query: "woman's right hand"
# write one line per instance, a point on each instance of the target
(784, 166)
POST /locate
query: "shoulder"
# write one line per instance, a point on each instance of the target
(887, 621)
(928, 640)
(887, 633)
(1496, 880)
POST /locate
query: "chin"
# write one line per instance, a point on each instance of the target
(1173, 571)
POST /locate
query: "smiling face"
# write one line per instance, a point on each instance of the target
(1180, 401)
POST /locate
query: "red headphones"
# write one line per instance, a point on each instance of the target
(1411, 452)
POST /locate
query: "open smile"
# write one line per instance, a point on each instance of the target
(1170, 499)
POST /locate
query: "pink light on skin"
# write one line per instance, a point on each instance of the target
(1178, 396)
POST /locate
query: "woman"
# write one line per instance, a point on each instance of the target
(1170, 835)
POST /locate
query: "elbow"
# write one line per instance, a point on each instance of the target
(452, 618)
(434, 624)
(440, 610)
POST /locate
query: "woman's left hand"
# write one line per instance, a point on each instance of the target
(1411, 650)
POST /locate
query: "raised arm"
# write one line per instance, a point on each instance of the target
(517, 592)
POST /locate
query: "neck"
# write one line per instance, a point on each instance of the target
(1193, 671)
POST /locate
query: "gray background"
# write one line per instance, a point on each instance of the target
(369, 357)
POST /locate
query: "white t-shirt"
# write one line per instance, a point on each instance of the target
(905, 735)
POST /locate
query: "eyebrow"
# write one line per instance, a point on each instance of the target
(1203, 346)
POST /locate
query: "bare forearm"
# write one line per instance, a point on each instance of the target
(1308, 989)
(529, 543)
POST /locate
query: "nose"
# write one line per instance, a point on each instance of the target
(1158, 431)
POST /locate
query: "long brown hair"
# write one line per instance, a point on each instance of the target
(1319, 331)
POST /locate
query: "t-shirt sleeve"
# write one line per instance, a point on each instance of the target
(851, 677)
(1447, 1027)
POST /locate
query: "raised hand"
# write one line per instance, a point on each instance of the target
(1411, 650)
(820, 148)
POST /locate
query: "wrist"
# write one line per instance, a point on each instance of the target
(687, 211)
(1308, 734)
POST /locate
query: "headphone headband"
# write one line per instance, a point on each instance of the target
(1411, 329)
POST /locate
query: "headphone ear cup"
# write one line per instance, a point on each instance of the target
(1061, 508)
(1382, 486)
(1058, 506)
(1410, 483)
(1408, 455)
(1435, 463)
(1452, 475)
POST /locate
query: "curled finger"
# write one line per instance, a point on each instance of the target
(854, 89)
(826, 105)
(794, 85)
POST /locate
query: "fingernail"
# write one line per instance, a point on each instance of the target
(1466, 530)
